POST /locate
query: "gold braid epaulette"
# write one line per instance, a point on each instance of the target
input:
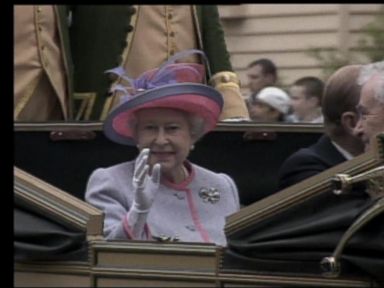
(225, 78)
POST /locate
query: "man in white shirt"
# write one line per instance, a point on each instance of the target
(306, 94)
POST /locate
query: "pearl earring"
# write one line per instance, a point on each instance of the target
(192, 147)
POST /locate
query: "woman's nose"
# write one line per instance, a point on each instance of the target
(161, 137)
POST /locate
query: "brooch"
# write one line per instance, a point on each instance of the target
(211, 195)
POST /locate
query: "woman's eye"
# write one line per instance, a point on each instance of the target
(173, 128)
(150, 127)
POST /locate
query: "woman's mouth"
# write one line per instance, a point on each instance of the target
(162, 155)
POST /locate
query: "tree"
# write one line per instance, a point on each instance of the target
(373, 42)
(370, 45)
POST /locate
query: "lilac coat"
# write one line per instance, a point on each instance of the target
(177, 210)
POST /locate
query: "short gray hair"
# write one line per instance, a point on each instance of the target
(197, 125)
(370, 70)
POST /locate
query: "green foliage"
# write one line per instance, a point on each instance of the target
(330, 60)
(370, 45)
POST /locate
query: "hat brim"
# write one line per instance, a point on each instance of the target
(196, 99)
(276, 107)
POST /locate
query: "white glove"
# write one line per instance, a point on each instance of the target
(146, 187)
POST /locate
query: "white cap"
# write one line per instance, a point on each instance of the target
(274, 97)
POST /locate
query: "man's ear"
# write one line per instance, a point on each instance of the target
(348, 121)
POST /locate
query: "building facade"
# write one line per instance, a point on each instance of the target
(285, 33)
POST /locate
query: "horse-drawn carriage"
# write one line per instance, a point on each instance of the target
(324, 231)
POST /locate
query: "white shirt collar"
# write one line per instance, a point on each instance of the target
(344, 152)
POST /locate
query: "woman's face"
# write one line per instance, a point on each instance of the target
(166, 132)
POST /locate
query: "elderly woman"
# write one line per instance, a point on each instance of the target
(161, 195)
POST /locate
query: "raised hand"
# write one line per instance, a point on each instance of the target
(146, 185)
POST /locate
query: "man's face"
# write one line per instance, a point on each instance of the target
(301, 105)
(257, 80)
(371, 114)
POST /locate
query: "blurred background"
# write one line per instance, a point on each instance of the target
(303, 39)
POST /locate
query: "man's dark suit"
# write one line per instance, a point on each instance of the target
(308, 162)
(295, 240)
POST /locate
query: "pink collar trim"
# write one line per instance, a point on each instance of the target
(182, 185)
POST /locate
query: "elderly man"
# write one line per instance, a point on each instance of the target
(371, 104)
(339, 143)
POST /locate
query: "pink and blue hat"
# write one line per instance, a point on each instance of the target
(172, 85)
